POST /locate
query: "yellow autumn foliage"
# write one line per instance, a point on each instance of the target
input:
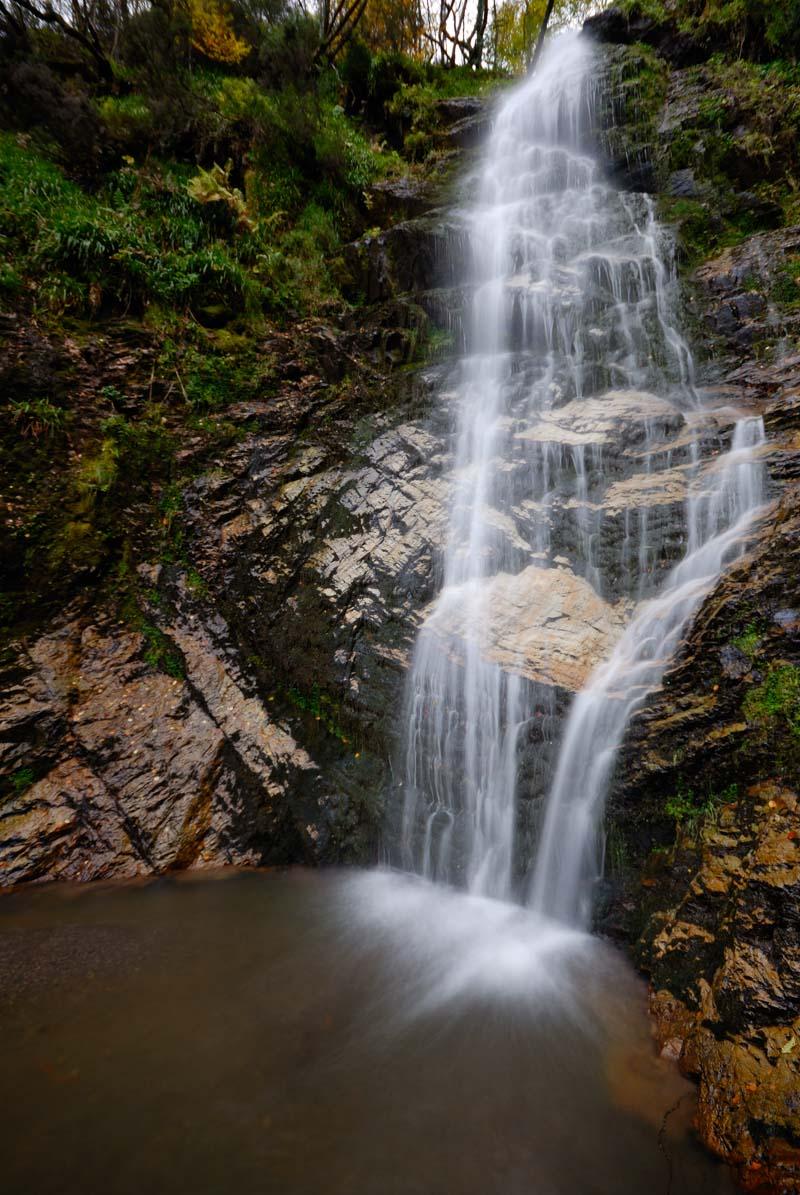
(212, 32)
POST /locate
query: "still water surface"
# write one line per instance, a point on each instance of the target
(335, 1034)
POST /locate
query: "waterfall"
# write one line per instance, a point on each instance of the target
(575, 381)
(570, 848)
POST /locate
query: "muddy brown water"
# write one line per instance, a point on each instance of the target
(326, 1034)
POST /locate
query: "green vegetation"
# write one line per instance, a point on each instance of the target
(786, 287)
(776, 701)
(618, 856)
(159, 652)
(323, 708)
(746, 28)
(22, 779)
(142, 239)
(173, 198)
(748, 642)
(733, 123)
(688, 808)
(37, 417)
(739, 135)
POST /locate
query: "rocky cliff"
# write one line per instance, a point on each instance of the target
(704, 820)
(229, 694)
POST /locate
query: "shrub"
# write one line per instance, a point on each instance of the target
(356, 73)
(37, 417)
(33, 98)
(127, 118)
(288, 51)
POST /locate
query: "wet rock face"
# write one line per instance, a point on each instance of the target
(134, 771)
(703, 820)
(708, 807)
(251, 720)
(245, 710)
(739, 286)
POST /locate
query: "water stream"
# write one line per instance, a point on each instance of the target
(576, 395)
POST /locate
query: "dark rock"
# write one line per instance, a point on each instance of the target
(457, 108)
(401, 199)
(408, 259)
(682, 184)
(466, 133)
(619, 28)
(717, 917)
(734, 663)
(763, 212)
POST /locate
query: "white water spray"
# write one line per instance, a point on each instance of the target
(574, 375)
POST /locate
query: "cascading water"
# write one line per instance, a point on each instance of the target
(570, 849)
(574, 375)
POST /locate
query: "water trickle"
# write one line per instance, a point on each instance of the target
(575, 386)
(570, 851)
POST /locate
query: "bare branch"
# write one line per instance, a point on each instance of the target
(88, 40)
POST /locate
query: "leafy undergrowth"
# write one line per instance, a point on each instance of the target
(745, 28)
(158, 231)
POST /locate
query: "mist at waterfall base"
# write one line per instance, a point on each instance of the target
(299, 1033)
(380, 1033)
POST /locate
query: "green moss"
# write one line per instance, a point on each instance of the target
(686, 807)
(695, 226)
(323, 708)
(748, 642)
(160, 653)
(170, 506)
(777, 699)
(21, 780)
(786, 287)
(195, 583)
(439, 343)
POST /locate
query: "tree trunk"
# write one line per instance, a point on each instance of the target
(476, 53)
(537, 49)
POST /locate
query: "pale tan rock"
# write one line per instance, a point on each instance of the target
(660, 488)
(617, 417)
(546, 625)
(150, 766)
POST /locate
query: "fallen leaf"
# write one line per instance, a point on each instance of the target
(790, 1045)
